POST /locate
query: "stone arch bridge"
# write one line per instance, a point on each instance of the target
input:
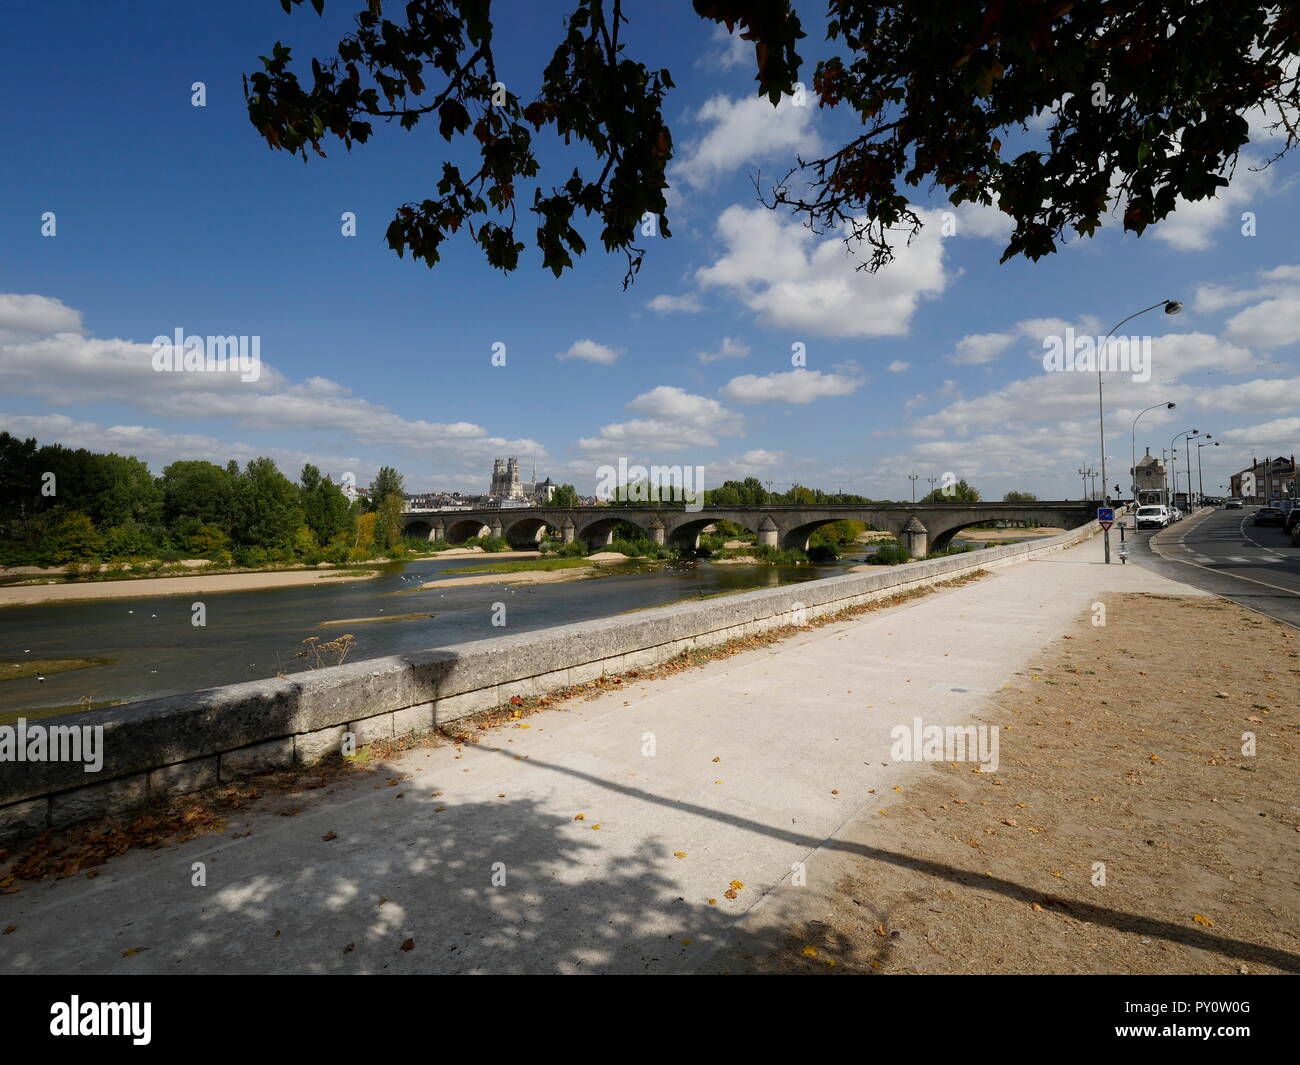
(922, 527)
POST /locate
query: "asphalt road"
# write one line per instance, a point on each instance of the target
(1223, 552)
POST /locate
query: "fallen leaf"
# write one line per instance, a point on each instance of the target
(409, 945)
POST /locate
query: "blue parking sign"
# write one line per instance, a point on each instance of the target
(1106, 514)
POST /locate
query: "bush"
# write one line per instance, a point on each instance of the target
(889, 555)
(774, 556)
(821, 554)
(337, 554)
(249, 557)
(638, 548)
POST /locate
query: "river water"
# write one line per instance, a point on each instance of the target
(255, 634)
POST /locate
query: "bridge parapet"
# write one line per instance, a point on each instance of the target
(785, 525)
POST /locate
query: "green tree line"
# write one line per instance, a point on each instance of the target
(61, 505)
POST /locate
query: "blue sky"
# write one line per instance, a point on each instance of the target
(169, 215)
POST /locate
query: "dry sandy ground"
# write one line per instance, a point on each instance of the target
(1121, 745)
(147, 587)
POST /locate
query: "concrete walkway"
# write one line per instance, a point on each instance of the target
(735, 771)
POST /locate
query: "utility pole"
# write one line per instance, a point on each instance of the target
(913, 478)
(1084, 474)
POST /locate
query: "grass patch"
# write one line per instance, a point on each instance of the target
(21, 668)
(35, 713)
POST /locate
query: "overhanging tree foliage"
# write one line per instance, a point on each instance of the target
(1144, 102)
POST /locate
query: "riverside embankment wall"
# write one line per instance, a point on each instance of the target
(167, 746)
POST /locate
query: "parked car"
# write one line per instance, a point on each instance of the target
(1232, 504)
(1291, 523)
(1175, 514)
(1295, 533)
(1152, 517)
(1268, 516)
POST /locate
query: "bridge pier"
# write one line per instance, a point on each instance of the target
(496, 527)
(568, 531)
(439, 531)
(657, 534)
(768, 534)
(915, 538)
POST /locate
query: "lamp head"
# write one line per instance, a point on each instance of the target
(1171, 406)
(1172, 307)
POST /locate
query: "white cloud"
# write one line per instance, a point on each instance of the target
(30, 316)
(674, 419)
(745, 130)
(590, 351)
(793, 280)
(1271, 324)
(794, 386)
(982, 220)
(688, 304)
(729, 349)
(68, 368)
(728, 51)
(1258, 396)
(898, 366)
(978, 348)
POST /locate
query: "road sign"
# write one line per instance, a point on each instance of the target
(1106, 525)
(1106, 515)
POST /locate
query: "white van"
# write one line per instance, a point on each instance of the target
(1152, 517)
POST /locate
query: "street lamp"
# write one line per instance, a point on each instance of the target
(913, 477)
(1173, 457)
(1200, 469)
(1187, 451)
(1133, 443)
(1171, 307)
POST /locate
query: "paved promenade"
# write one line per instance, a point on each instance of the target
(724, 775)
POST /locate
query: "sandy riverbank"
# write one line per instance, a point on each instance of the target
(536, 576)
(147, 587)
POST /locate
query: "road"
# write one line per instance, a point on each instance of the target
(1223, 552)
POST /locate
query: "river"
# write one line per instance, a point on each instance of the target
(255, 634)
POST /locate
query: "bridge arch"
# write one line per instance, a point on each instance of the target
(460, 531)
(600, 532)
(796, 538)
(527, 533)
(687, 534)
(417, 527)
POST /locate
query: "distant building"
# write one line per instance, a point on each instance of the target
(1266, 479)
(507, 489)
(1149, 477)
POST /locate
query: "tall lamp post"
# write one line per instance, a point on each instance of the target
(1171, 307)
(1173, 457)
(1200, 469)
(1187, 450)
(1133, 443)
(913, 478)
(1187, 453)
